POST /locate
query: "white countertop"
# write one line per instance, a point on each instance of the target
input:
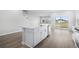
(32, 26)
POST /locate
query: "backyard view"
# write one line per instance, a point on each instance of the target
(61, 22)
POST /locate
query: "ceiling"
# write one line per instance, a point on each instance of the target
(47, 11)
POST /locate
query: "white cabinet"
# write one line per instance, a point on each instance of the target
(27, 37)
(36, 38)
(32, 36)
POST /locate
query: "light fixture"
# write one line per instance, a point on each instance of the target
(24, 12)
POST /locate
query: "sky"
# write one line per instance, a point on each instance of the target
(62, 17)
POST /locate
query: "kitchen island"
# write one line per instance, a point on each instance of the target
(34, 35)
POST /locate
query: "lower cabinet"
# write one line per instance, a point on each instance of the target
(32, 36)
(36, 38)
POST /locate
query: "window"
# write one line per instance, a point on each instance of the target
(77, 21)
(61, 21)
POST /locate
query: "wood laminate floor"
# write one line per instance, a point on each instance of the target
(57, 39)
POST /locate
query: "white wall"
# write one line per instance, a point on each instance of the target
(77, 17)
(34, 16)
(33, 19)
(10, 21)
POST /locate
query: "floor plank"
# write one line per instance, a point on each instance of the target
(58, 39)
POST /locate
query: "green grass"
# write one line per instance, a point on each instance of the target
(62, 24)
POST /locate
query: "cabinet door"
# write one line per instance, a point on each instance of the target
(36, 36)
(43, 33)
(28, 37)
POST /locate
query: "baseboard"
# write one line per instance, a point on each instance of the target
(23, 43)
(10, 33)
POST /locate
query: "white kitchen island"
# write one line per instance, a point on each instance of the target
(34, 35)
